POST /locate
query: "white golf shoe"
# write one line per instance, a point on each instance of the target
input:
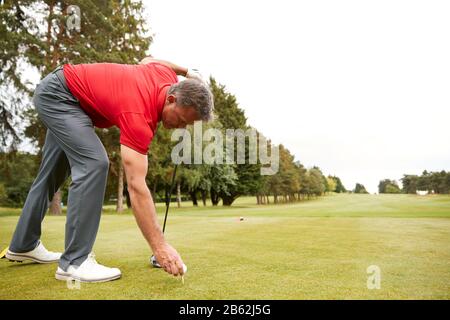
(89, 271)
(38, 254)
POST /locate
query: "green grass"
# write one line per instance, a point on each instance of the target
(318, 249)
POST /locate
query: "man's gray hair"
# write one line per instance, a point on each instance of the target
(191, 92)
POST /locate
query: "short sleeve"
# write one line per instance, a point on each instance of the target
(162, 73)
(135, 132)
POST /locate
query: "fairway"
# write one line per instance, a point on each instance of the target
(317, 249)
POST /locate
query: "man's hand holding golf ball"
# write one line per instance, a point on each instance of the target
(169, 259)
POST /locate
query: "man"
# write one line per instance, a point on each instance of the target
(70, 101)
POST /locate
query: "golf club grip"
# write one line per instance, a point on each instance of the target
(170, 197)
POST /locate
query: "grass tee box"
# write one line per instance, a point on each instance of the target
(319, 249)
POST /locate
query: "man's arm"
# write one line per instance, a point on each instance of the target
(181, 71)
(135, 165)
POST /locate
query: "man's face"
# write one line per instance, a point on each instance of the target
(174, 116)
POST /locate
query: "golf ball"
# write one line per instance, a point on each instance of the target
(184, 268)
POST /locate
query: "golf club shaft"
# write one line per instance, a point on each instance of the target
(170, 197)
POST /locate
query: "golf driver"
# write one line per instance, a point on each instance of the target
(153, 260)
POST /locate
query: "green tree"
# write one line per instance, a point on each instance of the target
(409, 183)
(438, 182)
(317, 186)
(3, 195)
(392, 188)
(331, 183)
(388, 186)
(359, 188)
(339, 186)
(231, 116)
(17, 172)
(423, 183)
(223, 181)
(36, 35)
(382, 185)
(286, 182)
(302, 179)
(447, 181)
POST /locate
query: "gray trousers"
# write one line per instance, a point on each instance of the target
(71, 148)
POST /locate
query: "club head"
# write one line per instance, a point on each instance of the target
(154, 262)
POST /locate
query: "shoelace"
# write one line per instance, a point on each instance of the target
(41, 248)
(91, 258)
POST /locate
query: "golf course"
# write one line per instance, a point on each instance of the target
(316, 249)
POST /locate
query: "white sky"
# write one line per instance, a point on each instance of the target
(358, 88)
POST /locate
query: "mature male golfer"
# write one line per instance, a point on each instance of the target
(70, 101)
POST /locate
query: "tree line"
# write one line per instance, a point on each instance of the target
(434, 182)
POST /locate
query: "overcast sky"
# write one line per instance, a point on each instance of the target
(358, 88)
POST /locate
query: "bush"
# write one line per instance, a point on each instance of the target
(17, 173)
(3, 195)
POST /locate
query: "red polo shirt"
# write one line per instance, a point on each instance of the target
(131, 97)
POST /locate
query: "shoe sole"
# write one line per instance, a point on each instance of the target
(17, 257)
(67, 276)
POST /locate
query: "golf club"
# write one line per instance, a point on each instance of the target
(153, 260)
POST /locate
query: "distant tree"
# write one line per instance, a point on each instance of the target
(438, 182)
(275, 186)
(230, 116)
(423, 183)
(392, 188)
(315, 185)
(287, 175)
(339, 186)
(409, 183)
(447, 181)
(302, 178)
(323, 178)
(359, 188)
(224, 181)
(331, 183)
(383, 184)
(388, 186)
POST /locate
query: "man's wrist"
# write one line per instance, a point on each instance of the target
(158, 247)
(183, 71)
(157, 240)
